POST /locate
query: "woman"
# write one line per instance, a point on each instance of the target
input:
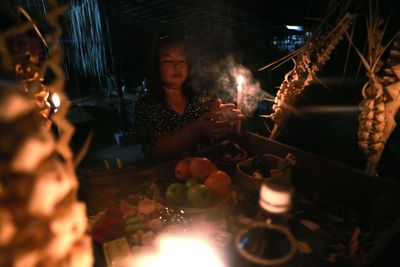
(172, 118)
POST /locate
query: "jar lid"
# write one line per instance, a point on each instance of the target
(275, 196)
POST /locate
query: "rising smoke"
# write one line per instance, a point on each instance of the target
(216, 75)
(214, 50)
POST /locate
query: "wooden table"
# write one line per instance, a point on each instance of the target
(375, 199)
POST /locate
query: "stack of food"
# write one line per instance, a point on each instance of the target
(139, 217)
(150, 209)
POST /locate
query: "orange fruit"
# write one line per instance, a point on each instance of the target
(182, 169)
(219, 183)
(202, 167)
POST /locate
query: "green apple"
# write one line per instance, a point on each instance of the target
(176, 193)
(199, 195)
(191, 181)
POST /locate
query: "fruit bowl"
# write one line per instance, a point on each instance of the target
(199, 186)
(211, 204)
(248, 173)
(215, 206)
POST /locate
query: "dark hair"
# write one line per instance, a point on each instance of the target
(154, 81)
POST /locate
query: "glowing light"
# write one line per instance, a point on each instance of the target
(55, 99)
(240, 81)
(294, 27)
(179, 252)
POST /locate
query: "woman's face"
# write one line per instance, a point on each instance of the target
(173, 66)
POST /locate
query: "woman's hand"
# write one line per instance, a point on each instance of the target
(227, 111)
(210, 125)
(214, 124)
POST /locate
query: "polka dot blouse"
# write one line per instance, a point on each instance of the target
(154, 117)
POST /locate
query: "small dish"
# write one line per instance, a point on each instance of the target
(245, 177)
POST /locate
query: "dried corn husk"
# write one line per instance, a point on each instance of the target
(41, 221)
(381, 94)
(308, 60)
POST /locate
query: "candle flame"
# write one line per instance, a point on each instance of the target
(240, 80)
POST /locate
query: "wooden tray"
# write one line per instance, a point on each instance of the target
(376, 201)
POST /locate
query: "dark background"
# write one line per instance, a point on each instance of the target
(245, 32)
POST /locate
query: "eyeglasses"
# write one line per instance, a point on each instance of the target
(173, 63)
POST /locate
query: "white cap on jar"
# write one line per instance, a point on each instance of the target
(275, 196)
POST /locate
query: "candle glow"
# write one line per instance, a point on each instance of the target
(55, 99)
(178, 252)
(239, 80)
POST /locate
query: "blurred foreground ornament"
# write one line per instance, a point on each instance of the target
(41, 221)
(27, 68)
